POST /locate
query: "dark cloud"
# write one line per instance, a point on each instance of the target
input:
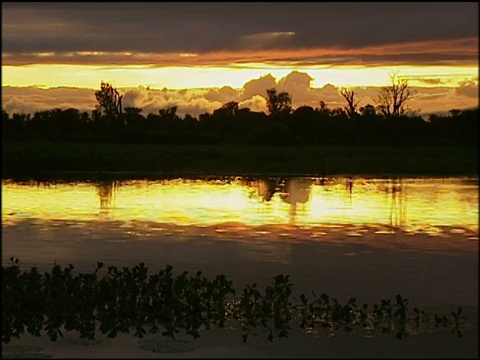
(287, 57)
(215, 27)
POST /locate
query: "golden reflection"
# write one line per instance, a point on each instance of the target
(299, 202)
(297, 191)
(106, 194)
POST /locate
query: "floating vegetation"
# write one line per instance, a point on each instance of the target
(112, 301)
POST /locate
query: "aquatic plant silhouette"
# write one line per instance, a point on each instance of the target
(119, 301)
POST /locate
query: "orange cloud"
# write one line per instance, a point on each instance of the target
(468, 88)
(422, 52)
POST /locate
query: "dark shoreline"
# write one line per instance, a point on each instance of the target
(156, 176)
(73, 161)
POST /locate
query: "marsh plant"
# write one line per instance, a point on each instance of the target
(113, 300)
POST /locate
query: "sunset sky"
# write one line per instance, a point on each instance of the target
(200, 55)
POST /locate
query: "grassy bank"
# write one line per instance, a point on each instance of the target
(33, 159)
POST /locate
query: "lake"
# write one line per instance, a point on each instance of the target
(362, 237)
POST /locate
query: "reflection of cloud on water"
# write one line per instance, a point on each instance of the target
(255, 202)
(297, 191)
(291, 191)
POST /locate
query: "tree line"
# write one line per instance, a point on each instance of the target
(391, 122)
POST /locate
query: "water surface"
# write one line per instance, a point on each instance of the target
(409, 204)
(366, 238)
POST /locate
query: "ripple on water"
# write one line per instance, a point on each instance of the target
(23, 352)
(165, 345)
(385, 232)
(353, 234)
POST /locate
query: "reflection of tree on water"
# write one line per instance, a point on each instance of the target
(268, 187)
(46, 184)
(398, 205)
(349, 188)
(263, 188)
(296, 191)
(106, 193)
(292, 191)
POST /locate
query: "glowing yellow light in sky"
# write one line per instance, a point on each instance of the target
(89, 76)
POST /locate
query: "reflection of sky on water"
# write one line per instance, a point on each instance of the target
(334, 236)
(410, 204)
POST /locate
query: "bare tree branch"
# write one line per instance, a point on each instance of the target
(352, 103)
(392, 98)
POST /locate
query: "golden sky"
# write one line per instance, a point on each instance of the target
(177, 78)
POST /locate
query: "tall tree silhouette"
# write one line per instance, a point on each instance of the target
(228, 110)
(392, 98)
(352, 102)
(351, 109)
(279, 104)
(109, 104)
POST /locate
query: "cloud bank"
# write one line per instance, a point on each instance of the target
(252, 95)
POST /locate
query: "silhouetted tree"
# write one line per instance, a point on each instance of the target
(323, 109)
(5, 123)
(352, 103)
(109, 100)
(228, 110)
(351, 110)
(368, 110)
(169, 113)
(168, 117)
(232, 125)
(134, 121)
(392, 98)
(110, 105)
(455, 112)
(278, 104)
(305, 124)
(5, 116)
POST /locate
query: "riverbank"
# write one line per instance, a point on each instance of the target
(57, 160)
